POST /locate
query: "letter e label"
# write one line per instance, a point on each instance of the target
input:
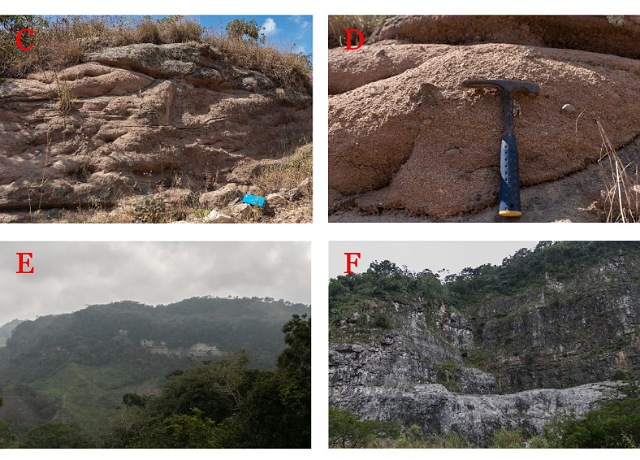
(24, 262)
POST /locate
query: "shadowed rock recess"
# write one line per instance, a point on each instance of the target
(142, 131)
(549, 333)
(406, 137)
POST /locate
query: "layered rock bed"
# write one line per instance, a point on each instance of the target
(408, 142)
(140, 132)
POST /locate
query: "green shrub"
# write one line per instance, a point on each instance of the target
(538, 442)
(346, 430)
(619, 375)
(382, 322)
(241, 29)
(615, 424)
(505, 438)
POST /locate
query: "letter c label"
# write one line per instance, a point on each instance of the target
(19, 42)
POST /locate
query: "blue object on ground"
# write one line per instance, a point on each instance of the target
(253, 200)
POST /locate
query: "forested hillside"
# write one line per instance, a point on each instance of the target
(492, 351)
(7, 329)
(70, 372)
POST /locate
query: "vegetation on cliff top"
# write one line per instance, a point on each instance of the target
(66, 40)
(526, 268)
(386, 282)
(358, 295)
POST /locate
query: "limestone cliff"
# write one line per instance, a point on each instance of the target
(466, 356)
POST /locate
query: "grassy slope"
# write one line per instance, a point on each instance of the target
(91, 392)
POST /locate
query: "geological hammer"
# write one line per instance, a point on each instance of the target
(510, 180)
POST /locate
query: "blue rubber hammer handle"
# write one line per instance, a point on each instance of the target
(509, 170)
(510, 179)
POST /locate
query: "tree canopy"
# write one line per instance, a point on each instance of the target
(226, 404)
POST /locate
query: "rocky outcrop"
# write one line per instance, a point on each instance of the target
(580, 330)
(137, 123)
(424, 346)
(617, 35)
(408, 143)
(496, 360)
(410, 138)
(196, 350)
(475, 417)
(395, 359)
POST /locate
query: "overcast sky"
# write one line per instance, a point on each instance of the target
(452, 256)
(69, 276)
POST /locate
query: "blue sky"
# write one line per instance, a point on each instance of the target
(288, 33)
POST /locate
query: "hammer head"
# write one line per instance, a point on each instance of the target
(506, 86)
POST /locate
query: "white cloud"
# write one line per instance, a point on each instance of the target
(301, 29)
(269, 27)
(299, 49)
(300, 21)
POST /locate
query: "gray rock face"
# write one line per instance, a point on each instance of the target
(586, 327)
(455, 327)
(510, 361)
(476, 417)
(472, 380)
(198, 64)
(410, 353)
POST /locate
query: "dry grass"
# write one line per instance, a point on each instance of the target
(287, 173)
(288, 69)
(621, 194)
(365, 24)
(67, 40)
(66, 98)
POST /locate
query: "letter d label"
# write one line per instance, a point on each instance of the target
(360, 39)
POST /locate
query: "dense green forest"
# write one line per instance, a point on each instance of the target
(63, 376)
(217, 404)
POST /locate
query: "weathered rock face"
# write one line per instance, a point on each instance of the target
(141, 120)
(408, 353)
(567, 333)
(423, 347)
(409, 137)
(617, 35)
(531, 354)
(407, 142)
(475, 417)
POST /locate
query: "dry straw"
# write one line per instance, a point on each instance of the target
(621, 195)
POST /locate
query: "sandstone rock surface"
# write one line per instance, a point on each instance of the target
(138, 120)
(404, 135)
(617, 35)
